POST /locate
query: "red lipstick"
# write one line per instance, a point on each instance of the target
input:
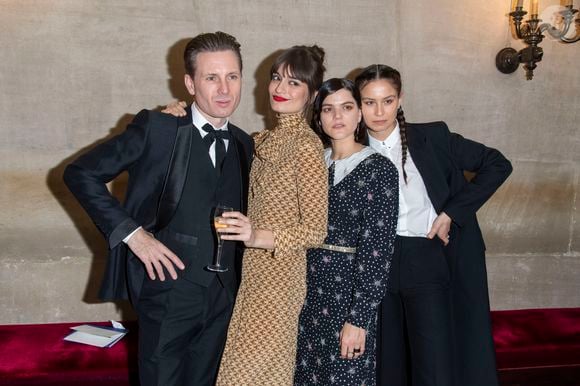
(279, 98)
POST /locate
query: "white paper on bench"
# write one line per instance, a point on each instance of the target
(99, 336)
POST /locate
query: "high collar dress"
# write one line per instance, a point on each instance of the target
(288, 195)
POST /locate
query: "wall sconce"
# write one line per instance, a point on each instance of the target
(531, 32)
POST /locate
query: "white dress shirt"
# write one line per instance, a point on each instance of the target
(416, 212)
(198, 121)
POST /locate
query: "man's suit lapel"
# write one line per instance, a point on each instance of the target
(177, 171)
(244, 167)
(426, 161)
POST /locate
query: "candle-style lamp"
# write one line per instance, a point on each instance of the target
(532, 33)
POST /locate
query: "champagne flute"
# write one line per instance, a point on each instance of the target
(219, 210)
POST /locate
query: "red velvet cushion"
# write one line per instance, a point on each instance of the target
(537, 337)
(37, 354)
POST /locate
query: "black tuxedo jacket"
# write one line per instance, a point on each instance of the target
(154, 149)
(442, 158)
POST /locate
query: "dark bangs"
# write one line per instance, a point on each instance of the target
(302, 63)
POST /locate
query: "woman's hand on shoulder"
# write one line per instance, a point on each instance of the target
(176, 108)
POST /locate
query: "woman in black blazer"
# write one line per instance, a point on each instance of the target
(434, 320)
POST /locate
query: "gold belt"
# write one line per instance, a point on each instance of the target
(338, 248)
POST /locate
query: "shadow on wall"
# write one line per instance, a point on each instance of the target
(91, 236)
(176, 71)
(261, 96)
(354, 73)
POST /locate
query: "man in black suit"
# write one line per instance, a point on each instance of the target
(179, 169)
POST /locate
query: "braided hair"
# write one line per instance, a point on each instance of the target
(404, 146)
(381, 71)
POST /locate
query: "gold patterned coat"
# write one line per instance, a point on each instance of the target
(288, 195)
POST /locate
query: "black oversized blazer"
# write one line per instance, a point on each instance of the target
(155, 150)
(442, 158)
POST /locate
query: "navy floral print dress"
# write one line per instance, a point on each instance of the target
(348, 287)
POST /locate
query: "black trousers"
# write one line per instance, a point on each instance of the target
(182, 332)
(415, 323)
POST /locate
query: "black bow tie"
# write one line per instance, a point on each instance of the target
(220, 147)
(213, 133)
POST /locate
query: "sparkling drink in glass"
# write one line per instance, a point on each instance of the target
(216, 266)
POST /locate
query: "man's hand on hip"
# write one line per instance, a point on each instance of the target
(154, 255)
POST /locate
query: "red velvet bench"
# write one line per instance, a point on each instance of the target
(539, 347)
(37, 355)
(534, 347)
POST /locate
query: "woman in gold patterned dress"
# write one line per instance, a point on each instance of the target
(287, 213)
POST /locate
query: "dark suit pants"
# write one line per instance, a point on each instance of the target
(182, 331)
(415, 318)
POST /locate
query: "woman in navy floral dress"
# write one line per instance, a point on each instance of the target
(347, 277)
